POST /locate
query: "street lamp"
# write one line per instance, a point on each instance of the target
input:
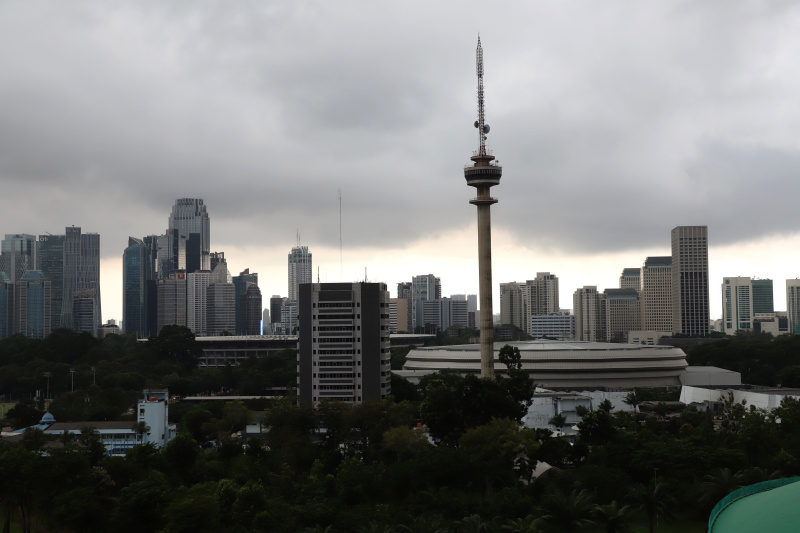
(72, 371)
(48, 375)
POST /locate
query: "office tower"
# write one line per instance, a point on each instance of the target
(793, 305)
(656, 294)
(17, 254)
(171, 297)
(542, 296)
(197, 301)
(299, 269)
(81, 273)
(737, 304)
(445, 312)
(424, 287)
(513, 307)
(631, 279)
(171, 252)
(83, 312)
(763, 302)
(190, 218)
(241, 283)
(483, 175)
(405, 318)
(559, 326)
(402, 309)
(275, 303)
(221, 309)
(250, 305)
(50, 258)
(472, 302)
(6, 306)
(32, 305)
(589, 311)
(289, 320)
(690, 280)
(343, 343)
(266, 323)
(622, 312)
(134, 288)
(217, 258)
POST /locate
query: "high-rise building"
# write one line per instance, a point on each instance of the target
(793, 305)
(513, 306)
(221, 308)
(690, 312)
(81, 273)
(217, 258)
(622, 312)
(763, 302)
(542, 296)
(83, 312)
(300, 269)
(134, 288)
(289, 320)
(405, 317)
(32, 305)
(589, 311)
(559, 326)
(630, 278)
(190, 218)
(50, 258)
(6, 306)
(656, 294)
(250, 306)
(197, 301)
(424, 287)
(737, 304)
(275, 304)
(402, 319)
(343, 348)
(171, 297)
(266, 323)
(241, 283)
(171, 252)
(17, 255)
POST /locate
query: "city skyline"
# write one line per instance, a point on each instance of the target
(679, 116)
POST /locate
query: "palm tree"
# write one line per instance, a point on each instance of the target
(424, 524)
(613, 518)
(720, 483)
(522, 525)
(568, 512)
(654, 500)
(633, 400)
(474, 524)
(559, 421)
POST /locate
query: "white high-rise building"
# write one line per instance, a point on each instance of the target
(690, 312)
(300, 270)
(622, 313)
(425, 287)
(513, 305)
(737, 304)
(541, 297)
(656, 294)
(197, 301)
(589, 311)
(793, 305)
(631, 278)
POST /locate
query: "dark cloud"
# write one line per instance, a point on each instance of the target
(614, 121)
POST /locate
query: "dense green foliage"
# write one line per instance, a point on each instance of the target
(761, 361)
(446, 455)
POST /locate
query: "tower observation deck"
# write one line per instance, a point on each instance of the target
(484, 174)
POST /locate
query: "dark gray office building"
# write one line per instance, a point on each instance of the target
(51, 264)
(343, 342)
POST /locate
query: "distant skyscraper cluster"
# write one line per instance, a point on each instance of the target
(49, 283)
(420, 304)
(174, 278)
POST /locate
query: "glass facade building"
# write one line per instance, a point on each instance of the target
(762, 296)
(51, 262)
(32, 305)
(190, 218)
(81, 273)
(17, 254)
(134, 289)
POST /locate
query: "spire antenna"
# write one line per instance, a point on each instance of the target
(481, 125)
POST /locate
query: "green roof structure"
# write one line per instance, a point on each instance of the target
(768, 506)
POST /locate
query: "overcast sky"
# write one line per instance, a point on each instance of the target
(614, 121)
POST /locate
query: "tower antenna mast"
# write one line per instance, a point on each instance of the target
(481, 110)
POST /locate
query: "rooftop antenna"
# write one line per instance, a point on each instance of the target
(480, 124)
(365, 275)
(340, 234)
(317, 273)
(298, 237)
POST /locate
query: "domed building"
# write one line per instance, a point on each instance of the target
(767, 506)
(563, 364)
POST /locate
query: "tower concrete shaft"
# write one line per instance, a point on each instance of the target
(483, 175)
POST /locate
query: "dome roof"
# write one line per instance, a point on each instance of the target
(47, 418)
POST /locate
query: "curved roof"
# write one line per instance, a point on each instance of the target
(567, 363)
(759, 507)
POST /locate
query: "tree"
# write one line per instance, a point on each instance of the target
(654, 500)
(177, 344)
(719, 484)
(568, 512)
(633, 399)
(141, 429)
(559, 421)
(612, 518)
